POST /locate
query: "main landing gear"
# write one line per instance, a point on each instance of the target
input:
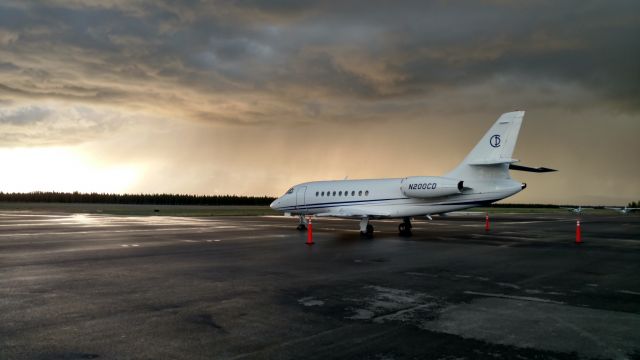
(302, 226)
(366, 229)
(405, 227)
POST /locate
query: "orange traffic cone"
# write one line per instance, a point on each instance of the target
(578, 233)
(309, 232)
(486, 223)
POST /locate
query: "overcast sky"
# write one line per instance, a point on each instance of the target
(250, 97)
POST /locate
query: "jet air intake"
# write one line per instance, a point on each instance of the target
(430, 186)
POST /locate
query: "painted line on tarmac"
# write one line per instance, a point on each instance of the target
(512, 297)
(629, 292)
(11, 214)
(257, 237)
(121, 231)
(533, 221)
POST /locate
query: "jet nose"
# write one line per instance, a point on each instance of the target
(274, 204)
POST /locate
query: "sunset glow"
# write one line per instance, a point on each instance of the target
(61, 169)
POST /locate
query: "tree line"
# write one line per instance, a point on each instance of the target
(180, 199)
(141, 199)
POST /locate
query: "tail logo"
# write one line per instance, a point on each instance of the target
(494, 141)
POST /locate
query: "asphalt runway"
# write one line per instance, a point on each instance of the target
(108, 287)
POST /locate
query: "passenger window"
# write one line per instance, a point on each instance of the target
(366, 193)
(353, 193)
(317, 193)
(323, 193)
(334, 193)
(340, 193)
(346, 193)
(360, 193)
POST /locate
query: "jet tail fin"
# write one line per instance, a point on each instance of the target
(491, 157)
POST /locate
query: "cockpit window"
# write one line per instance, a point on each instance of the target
(290, 191)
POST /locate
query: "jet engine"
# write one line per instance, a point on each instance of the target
(430, 186)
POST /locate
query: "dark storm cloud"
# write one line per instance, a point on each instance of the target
(241, 60)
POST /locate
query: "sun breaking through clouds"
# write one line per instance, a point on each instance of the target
(249, 97)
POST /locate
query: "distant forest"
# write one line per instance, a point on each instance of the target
(141, 199)
(181, 199)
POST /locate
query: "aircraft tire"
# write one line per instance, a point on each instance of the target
(404, 230)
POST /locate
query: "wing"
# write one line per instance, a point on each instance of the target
(354, 211)
(621, 208)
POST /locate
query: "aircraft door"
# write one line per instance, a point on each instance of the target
(300, 196)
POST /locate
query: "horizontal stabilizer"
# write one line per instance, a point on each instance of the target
(530, 169)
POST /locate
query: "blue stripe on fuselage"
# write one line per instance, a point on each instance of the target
(365, 202)
(337, 203)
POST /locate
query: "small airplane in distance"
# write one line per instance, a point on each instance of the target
(479, 180)
(577, 210)
(623, 210)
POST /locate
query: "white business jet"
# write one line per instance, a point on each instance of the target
(481, 179)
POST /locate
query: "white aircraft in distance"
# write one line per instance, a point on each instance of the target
(480, 179)
(623, 210)
(577, 210)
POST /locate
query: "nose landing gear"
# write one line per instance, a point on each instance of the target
(405, 227)
(302, 226)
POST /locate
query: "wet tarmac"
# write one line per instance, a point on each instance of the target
(112, 287)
